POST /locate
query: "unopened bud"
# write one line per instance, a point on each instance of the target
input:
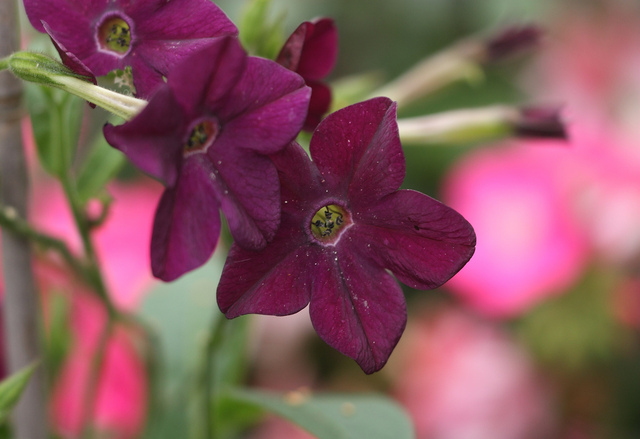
(511, 41)
(41, 69)
(540, 121)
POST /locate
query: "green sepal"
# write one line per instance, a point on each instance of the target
(259, 34)
(40, 68)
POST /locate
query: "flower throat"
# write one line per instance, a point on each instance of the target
(115, 35)
(329, 222)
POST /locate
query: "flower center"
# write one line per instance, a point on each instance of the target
(202, 136)
(114, 35)
(329, 222)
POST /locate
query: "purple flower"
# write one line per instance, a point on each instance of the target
(206, 134)
(151, 36)
(311, 51)
(344, 224)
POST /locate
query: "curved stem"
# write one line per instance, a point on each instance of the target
(93, 379)
(83, 225)
(10, 220)
(208, 372)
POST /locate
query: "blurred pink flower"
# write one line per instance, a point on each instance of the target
(609, 205)
(461, 378)
(529, 245)
(592, 59)
(592, 65)
(121, 244)
(121, 395)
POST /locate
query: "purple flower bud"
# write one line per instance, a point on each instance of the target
(312, 51)
(512, 40)
(539, 121)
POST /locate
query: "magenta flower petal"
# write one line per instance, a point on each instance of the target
(69, 59)
(415, 237)
(320, 50)
(368, 162)
(269, 98)
(196, 118)
(248, 192)
(344, 223)
(187, 223)
(312, 51)
(151, 140)
(63, 13)
(318, 105)
(151, 36)
(273, 283)
(357, 308)
(202, 89)
(184, 21)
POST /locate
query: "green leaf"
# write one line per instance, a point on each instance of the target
(12, 387)
(56, 117)
(59, 337)
(101, 165)
(260, 35)
(43, 120)
(181, 313)
(332, 416)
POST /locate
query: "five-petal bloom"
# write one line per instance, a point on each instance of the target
(151, 36)
(345, 223)
(206, 135)
(312, 51)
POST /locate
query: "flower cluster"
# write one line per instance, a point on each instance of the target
(219, 132)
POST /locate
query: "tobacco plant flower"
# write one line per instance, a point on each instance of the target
(344, 224)
(311, 51)
(206, 135)
(151, 36)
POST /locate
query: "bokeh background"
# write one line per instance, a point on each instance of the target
(536, 338)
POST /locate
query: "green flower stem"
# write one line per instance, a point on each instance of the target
(93, 380)
(11, 221)
(4, 63)
(207, 374)
(93, 274)
(459, 62)
(459, 126)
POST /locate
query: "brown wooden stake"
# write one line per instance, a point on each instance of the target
(21, 310)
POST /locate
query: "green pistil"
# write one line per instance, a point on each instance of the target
(327, 222)
(115, 35)
(201, 137)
